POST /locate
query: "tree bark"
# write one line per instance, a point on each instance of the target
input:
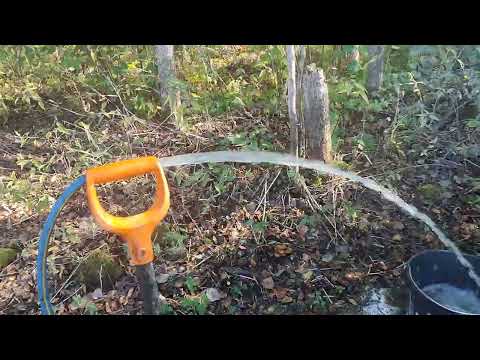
(316, 115)
(299, 78)
(375, 68)
(292, 102)
(169, 95)
(166, 69)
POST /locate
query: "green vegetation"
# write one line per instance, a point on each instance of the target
(7, 256)
(99, 270)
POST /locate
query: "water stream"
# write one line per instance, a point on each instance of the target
(256, 157)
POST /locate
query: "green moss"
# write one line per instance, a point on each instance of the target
(176, 252)
(7, 256)
(430, 192)
(99, 265)
(318, 182)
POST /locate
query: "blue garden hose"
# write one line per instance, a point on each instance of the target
(46, 307)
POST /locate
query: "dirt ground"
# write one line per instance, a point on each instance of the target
(248, 250)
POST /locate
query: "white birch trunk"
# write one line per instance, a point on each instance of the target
(292, 102)
(166, 77)
(375, 68)
(166, 69)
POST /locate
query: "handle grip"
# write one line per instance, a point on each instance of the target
(123, 170)
(137, 229)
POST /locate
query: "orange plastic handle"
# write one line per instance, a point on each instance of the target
(136, 230)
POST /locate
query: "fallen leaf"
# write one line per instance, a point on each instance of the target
(280, 293)
(251, 207)
(234, 234)
(429, 238)
(97, 294)
(282, 250)
(342, 249)
(467, 230)
(363, 224)
(447, 195)
(302, 231)
(162, 299)
(114, 305)
(445, 183)
(162, 278)
(396, 272)
(265, 274)
(397, 237)
(397, 225)
(227, 302)
(130, 292)
(327, 257)
(223, 275)
(268, 283)
(354, 275)
(214, 295)
(307, 275)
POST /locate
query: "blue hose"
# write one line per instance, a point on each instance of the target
(46, 307)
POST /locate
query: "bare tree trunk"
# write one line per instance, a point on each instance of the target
(375, 68)
(292, 102)
(166, 76)
(316, 115)
(299, 76)
(166, 69)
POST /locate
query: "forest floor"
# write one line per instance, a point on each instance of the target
(238, 239)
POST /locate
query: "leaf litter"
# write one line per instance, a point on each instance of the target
(277, 259)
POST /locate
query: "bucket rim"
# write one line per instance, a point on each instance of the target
(412, 281)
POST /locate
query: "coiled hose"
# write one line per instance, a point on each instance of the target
(46, 307)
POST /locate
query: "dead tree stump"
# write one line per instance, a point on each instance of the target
(316, 115)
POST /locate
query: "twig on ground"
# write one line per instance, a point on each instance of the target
(264, 197)
(10, 274)
(76, 291)
(327, 296)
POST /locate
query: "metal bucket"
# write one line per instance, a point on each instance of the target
(433, 267)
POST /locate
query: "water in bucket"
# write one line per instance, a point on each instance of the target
(454, 298)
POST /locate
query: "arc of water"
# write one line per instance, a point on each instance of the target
(257, 157)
